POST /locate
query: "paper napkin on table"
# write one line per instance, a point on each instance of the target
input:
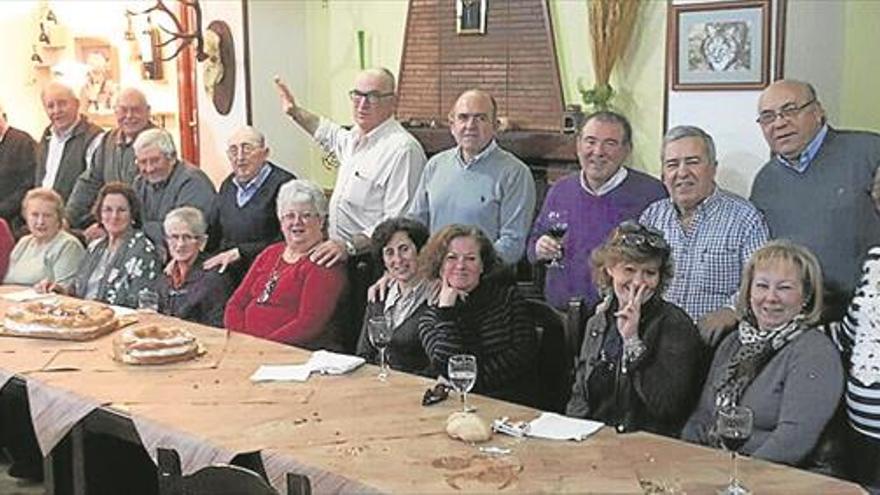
(325, 362)
(557, 427)
(282, 373)
(334, 363)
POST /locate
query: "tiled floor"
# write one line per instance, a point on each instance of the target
(12, 486)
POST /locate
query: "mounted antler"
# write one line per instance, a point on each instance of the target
(180, 34)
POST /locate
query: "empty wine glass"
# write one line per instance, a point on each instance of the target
(462, 371)
(558, 226)
(734, 424)
(379, 332)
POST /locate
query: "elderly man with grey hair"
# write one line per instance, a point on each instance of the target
(113, 161)
(67, 144)
(18, 160)
(244, 220)
(165, 182)
(712, 232)
(380, 163)
(813, 190)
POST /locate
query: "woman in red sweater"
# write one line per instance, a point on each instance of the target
(6, 244)
(285, 296)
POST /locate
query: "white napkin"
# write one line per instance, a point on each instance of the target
(282, 373)
(25, 295)
(334, 363)
(557, 427)
(122, 311)
(324, 362)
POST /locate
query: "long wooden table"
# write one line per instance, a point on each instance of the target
(354, 433)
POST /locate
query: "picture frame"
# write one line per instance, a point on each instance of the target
(101, 60)
(719, 45)
(470, 16)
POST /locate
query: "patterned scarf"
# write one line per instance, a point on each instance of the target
(756, 349)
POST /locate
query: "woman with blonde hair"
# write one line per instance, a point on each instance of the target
(777, 363)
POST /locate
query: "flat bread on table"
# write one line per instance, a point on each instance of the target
(67, 319)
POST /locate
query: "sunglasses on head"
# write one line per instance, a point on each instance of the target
(634, 234)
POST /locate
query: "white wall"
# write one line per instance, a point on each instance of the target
(814, 52)
(215, 128)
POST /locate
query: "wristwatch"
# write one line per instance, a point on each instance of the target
(350, 248)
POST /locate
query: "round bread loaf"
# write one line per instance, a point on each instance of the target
(152, 344)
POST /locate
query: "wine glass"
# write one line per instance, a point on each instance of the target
(734, 424)
(379, 332)
(462, 370)
(558, 221)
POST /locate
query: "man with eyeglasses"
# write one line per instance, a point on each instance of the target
(380, 163)
(712, 232)
(244, 220)
(596, 199)
(165, 183)
(477, 182)
(113, 161)
(816, 188)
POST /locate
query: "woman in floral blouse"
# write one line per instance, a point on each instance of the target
(124, 262)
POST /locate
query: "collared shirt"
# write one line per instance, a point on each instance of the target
(709, 256)
(479, 156)
(399, 306)
(611, 184)
(247, 190)
(495, 192)
(56, 151)
(378, 175)
(806, 156)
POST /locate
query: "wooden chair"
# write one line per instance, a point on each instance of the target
(221, 479)
(554, 359)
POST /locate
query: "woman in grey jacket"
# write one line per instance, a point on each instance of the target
(776, 363)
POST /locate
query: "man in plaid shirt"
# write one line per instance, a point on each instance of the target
(712, 232)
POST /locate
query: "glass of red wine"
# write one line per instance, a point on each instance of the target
(558, 226)
(734, 425)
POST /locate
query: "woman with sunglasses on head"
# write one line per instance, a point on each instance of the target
(777, 363)
(186, 290)
(641, 363)
(285, 296)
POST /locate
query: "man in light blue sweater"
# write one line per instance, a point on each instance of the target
(477, 182)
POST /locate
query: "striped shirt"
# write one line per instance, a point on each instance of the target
(710, 255)
(493, 325)
(858, 340)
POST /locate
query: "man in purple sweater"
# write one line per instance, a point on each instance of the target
(593, 201)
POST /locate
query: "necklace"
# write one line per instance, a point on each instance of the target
(271, 282)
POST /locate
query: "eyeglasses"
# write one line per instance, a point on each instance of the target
(372, 97)
(634, 234)
(245, 149)
(183, 238)
(303, 216)
(788, 111)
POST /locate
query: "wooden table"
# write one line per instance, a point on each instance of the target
(356, 433)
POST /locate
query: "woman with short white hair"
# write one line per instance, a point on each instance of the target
(187, 291)
(285, 296)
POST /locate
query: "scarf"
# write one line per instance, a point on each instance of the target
(756, 349)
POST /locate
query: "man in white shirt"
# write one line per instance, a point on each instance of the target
(380, 163)
(68, 143)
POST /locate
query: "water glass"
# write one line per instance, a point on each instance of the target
(148, 301)
(379, 332)
(462, 371)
